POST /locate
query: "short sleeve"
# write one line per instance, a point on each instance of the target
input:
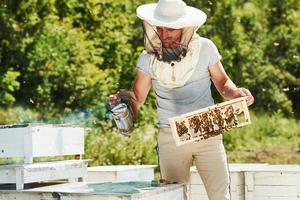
(143, 63)
(214, 54)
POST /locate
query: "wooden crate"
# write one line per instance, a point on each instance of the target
(28, 141)
(210, 121)
(237, 184)
(44, 171)
(273, 182)
(84, 191)
(121, 173)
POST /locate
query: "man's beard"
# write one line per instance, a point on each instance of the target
(173, 54)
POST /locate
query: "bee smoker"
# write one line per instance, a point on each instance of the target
(123, 117)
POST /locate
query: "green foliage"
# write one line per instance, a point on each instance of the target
(63, 70)
(18, 115)
(111, 148)
(8, 85)
(67, 51)
(269, 139)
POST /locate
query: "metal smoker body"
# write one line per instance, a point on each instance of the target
(122, 115)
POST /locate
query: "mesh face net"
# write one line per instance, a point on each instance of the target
(153, 43)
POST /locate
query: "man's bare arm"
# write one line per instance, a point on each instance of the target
(225, 86)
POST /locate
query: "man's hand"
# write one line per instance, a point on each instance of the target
(244, 92)
(114, 99)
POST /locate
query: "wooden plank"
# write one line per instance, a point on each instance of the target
(275, 168)
(276, 178)
(7, 175)
(41, 140)
(103, 176)
(57, 141)
(275, 198)
(83, 192)
(56, 196)
(136, 175)
(19, 179)
(9, 148)
(45, 171)
(276, 191)
(28, 149)
(249, 182)
(55, 170)
(121, 173)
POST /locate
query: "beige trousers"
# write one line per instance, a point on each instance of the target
(210, 159)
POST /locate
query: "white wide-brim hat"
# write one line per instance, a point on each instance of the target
(171, 13)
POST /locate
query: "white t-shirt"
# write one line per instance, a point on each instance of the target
(196, 91)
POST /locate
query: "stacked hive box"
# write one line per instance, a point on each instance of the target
(99, 191)
(273, 182)
(237, 182)
(29, 141)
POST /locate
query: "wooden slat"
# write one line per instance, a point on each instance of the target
(276, 178)
(121, 173)
(276, 191)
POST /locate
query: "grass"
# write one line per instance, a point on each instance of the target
(269, 139)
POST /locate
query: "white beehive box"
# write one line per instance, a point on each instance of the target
(44, 171)
(84, 191)
(121, 173)
(237, 182)
(273, 182)
(40, 140)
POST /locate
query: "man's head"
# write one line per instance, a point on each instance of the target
(169, 26)
(169, 37)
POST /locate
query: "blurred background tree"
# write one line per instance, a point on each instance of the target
(61, 59)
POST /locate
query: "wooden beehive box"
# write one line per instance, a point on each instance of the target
(121, 173)
(35, 140)
(28, 141)
(237, 182)
(210, 121)
(273, 182)
(43, 171)
(96, 191)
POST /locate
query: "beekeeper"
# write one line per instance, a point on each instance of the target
(180, 66)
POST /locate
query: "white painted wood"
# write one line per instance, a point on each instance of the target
(19, 178)
(276, 191)
(276, 178)
(80, 191)
(7, 175)
(237, 177)
(27, 137)
(121, 173)
(41, 140)
(11, 143)
(249, 181)
(273, 182)
(276, 198)
(37, 172)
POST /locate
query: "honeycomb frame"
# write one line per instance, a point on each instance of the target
(210, 121)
